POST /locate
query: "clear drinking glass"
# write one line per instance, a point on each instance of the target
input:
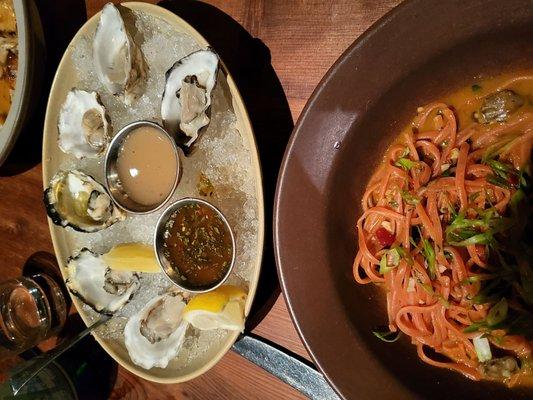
(31, 309)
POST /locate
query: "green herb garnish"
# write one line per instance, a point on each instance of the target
(509, 239)
(505, 175)
(466, 232)
(476, 88)
(470, 280)
(500, 146)
(495, 317)
(389, 260)
(387, 335)
(410, 198)
(499, 181)
(475, 327)
(429, 255)
(406, 163)
(497, 313)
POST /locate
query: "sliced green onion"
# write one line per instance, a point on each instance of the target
(474, 327)
(429, 255)
(501, 146)
(481, 238)
(389, 260)
(473, 196)
(466, 232)
(401, 251)
(502, 173)
(499, 181)
(387, 336)
(499, 166)
(405, 152)
(458, 235)
(498, 312)
(482, 346)
(394, 256)
(476, 88)
(406, 163)
(404, 255)
(410, 198)
(470, 280)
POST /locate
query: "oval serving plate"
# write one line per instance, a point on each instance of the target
(64, 239)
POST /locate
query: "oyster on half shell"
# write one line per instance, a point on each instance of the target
(155, 335)
(75, 199)
(187, 95)
(97, 285)
(83, 125)
(118, 60)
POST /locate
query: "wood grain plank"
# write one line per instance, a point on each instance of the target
(277, 327)
(23, 225)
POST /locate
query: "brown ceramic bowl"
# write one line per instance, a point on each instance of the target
(416, 53)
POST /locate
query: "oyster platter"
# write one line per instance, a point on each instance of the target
(153, 191)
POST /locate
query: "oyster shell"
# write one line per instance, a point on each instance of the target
(83, 125)
(155, 335)
(187, 95)
(75, 199)
(98, 286)
(118, 60)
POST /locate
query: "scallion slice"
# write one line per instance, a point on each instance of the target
(387, 336)
(429, 255)
(389, 260)
(482, 346)
(498, 312)
(405, 163)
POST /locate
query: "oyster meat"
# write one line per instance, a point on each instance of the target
(118, 60)
(83, 125)
(187, 96)
(97, 285)
(154, 336)
(75, 199)
(498, 107)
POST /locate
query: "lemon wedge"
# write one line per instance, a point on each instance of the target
(137, 257)
(223, 308)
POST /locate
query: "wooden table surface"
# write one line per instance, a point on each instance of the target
(297, 41)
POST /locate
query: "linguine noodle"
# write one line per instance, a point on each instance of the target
(435, 216)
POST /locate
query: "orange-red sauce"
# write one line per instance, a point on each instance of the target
(198, 245)
(465, 102)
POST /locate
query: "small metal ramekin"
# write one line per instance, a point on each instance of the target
(159, 240)
(112, 180)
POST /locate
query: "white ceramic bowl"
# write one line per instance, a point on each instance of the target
(30, 54)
